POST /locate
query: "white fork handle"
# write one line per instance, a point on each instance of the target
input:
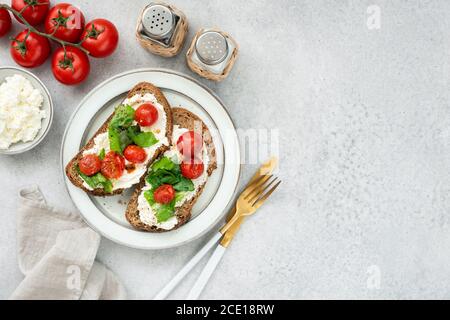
(188, 267)
(206, 273)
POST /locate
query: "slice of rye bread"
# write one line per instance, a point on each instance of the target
(188, 120)
(141, 88)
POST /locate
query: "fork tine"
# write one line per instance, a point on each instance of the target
(259, 191)
(261, 200)
(255, 185)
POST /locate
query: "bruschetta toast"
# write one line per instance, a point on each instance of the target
(164, 199)
(120, 152)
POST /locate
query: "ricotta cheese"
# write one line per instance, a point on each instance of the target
(20, 111)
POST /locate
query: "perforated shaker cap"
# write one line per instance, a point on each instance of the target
(211, 47)
(158, 21)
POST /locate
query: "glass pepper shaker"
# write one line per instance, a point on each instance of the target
(212, 54)
(162, 29)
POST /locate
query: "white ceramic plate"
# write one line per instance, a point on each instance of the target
(47, 106)
(106, 215)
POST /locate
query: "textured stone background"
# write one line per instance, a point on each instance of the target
(363, 117)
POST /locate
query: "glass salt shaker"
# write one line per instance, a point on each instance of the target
(162, 29)
(212, 54)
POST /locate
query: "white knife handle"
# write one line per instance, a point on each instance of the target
(187, 268)
(206, 273)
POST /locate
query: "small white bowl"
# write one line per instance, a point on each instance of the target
(47, 106)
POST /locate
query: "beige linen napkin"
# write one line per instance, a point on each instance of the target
(56, 252)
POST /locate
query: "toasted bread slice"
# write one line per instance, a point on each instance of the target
(141, 88)
(188, 120)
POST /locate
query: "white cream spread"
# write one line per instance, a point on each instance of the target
(128, 179)
(146, 213)
(20, 111)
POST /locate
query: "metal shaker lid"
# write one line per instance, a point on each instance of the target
(211, 47)
(158, 21)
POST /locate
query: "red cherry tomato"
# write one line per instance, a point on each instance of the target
(100, 38)
(90, 164)
(190, 144)
(146, 115)
(192, 169)
(164, 194)
(135, 154)
(113, 165)
(30, 50)
(72, 68)
(5, 22)
(35, 12)
(68, 21)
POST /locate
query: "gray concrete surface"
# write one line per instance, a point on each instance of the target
(363, 119)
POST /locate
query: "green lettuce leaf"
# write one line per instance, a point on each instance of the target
(165, 163)
(184, 184)
(102, 154)
(123, 117)
(97, 181)
(165, 171)
(142, 139)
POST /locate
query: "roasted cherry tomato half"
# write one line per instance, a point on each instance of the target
(30, 49)
(192, 169)
(65, 22)
(190, 144)
(100, 38)
(164, 194)
(35, 12)
(5, 22)
(71, 67)
(146, 115)
(113, 165)
(135, 154)
(90, 164)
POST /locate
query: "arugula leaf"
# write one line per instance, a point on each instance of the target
(102, 154)
(97, 181)
(123, 117)
(142, 139)
(184, 184)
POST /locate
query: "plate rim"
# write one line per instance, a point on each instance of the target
(130, 72)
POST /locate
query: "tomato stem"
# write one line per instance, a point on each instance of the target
(34, 30)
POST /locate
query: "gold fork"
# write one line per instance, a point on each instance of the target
(250, 200)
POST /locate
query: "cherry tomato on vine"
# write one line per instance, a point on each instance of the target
(29, 49)
(34, 11)
(100, 37)
(70, 67)
(65, 22)
(5, 22)
(164, 194)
